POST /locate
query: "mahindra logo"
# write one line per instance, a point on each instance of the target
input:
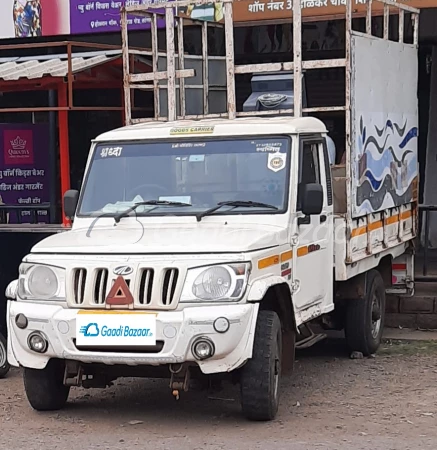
(123, 270)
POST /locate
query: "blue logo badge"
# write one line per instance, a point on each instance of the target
(90, 330)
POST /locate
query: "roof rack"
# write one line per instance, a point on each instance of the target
(176, 61)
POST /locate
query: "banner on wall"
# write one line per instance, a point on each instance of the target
(24, 174)
(104, 16)
(34, 18)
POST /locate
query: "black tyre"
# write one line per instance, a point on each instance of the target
(260, 377)
(45, 388)
(4, 365)
(365, 317)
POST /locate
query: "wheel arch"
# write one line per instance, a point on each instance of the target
(355, 288)
(278, 299)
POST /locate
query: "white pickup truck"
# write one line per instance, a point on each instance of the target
(202, 246)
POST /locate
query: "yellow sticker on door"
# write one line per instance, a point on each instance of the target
(276, 161)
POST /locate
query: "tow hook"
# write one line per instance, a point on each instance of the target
(180, 379)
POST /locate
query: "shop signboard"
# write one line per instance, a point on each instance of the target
(259, 10)
(24, 171)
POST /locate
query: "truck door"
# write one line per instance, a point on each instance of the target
(313, 252)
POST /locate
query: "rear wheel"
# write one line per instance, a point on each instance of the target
(260, 377)
(45, 388)
(4, 365)
(365, 317)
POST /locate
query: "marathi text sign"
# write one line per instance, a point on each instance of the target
(24, 169)
(250, 10)
(104, 16)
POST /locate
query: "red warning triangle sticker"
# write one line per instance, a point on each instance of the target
(120, 293)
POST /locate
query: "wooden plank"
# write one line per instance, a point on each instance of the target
(205, 67)
(268, 67)
(401, 25)
(369, 17)
(386, 22)
(324, 109)
(416, 29)
(171, 69)
(324, 64)
(162, 75)
(155, 58)
(181, 55)
(230, 69)
(126, 69)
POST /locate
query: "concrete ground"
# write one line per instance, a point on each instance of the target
(330, 402)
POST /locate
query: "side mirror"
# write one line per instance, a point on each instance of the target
(312, 199)
(71, 199)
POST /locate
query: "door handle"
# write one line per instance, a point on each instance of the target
(305, 220)
(323, 218)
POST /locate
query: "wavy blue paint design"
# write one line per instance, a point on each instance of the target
(413, 133)
(376, 178)
(376, 184)
(383, 176)
(377, 167)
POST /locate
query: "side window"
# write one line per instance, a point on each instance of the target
(310, 167)
(310, 164)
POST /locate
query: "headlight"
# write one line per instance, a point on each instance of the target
(40, 282)
(225, 282)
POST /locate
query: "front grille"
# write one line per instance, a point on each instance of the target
(152, 288)
(101, 286)
(79, 284)
(169, 286)
(146, 285)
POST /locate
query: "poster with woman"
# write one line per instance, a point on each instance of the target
(33, 18)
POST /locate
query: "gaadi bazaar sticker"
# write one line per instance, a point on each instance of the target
(191, 130)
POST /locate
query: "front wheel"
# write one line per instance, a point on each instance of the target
(45, 388)
(4, 365)
(365, 317)
(260, 377)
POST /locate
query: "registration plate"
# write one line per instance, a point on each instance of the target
(115, 328)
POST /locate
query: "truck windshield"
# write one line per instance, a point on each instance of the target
(197, 174)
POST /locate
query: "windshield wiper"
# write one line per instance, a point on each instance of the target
(235, 204)
(126, 213)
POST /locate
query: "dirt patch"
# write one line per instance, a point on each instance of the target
(329, 402)
(408, 348)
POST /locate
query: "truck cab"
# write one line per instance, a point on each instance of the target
(172, 271)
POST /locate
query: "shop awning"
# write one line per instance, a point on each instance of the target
(34, 67)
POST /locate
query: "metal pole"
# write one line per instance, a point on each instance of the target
(64, 147)
(425, 250)
(297, 57)
(53, 179)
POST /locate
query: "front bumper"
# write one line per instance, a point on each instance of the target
(58, 325)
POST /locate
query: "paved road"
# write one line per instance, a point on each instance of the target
(330, 402)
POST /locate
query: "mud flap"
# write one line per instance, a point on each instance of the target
(402, 270)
